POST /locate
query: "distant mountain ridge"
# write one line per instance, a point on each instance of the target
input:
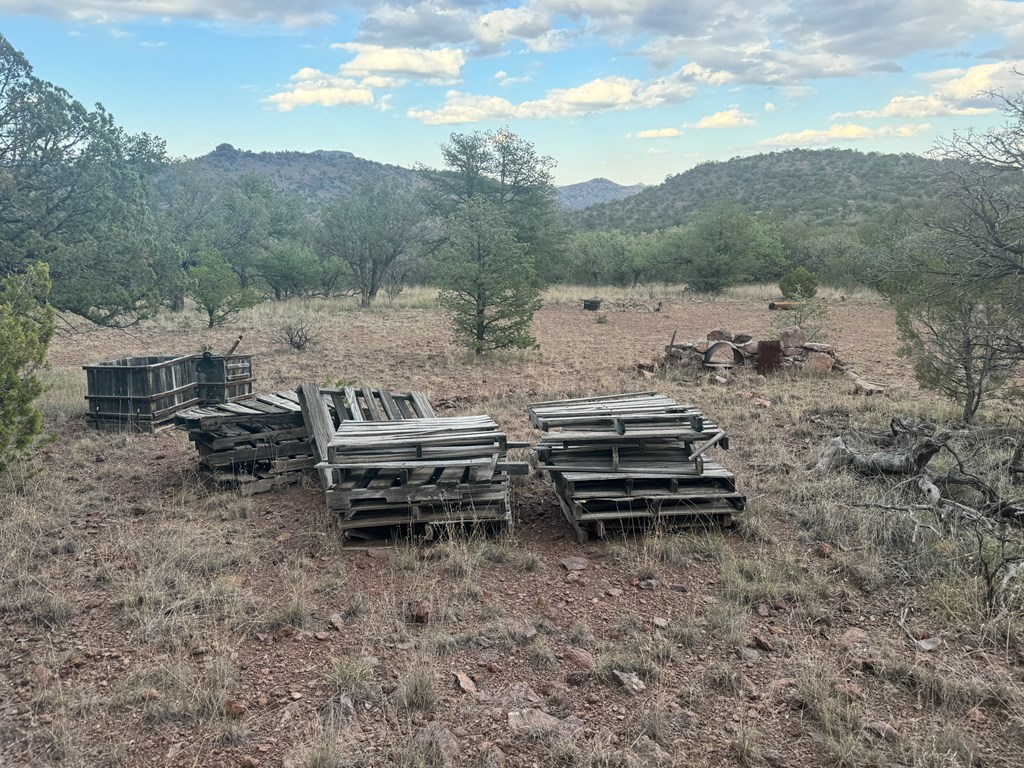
(829, 186)
(576, 197)
(316, 176)
(825, 186)
(323, 174)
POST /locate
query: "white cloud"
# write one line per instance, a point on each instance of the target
(769, 107)
(443, 66)
(505, 79)
(956, 92)
(843, 132)
(466, 108)
(602, 94)
(659, 133)
(508, 24)
(312, 87)
(729, 118)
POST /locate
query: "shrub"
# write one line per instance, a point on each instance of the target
(799, 284)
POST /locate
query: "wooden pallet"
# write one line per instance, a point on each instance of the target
(633, 461)
(447, 470)
(411, 474)
(264, 442)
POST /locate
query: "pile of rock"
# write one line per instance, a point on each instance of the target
(724, 350)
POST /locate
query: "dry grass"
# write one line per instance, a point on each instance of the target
(109, 545)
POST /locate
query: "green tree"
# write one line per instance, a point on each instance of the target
(26, 327)
(608, 258)
(958, 285)
(724, 246)
(507, 171)
(487, 280)
(73, 193)
(370, 231)
(963, 338)
(799, 284)
(215, 288)
(289, 269)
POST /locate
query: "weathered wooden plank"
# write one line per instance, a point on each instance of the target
(389, 404)
(423, 407)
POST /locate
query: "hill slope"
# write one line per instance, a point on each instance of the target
(578, 196)
(818, 186)
(314, 176)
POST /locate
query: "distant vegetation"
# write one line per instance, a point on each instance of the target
(823, 187)
(125, 233)
(315, 177)
(576, 197)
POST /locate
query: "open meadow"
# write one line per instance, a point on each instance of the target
(148, 621)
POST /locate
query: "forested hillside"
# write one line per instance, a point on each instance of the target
(830, 186)
(587, 193)
(316, 177)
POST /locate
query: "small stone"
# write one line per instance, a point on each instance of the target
(248, 761)
(337, 622)
(818, 364)
(630, 682)
(234, 708)
(649, 584)
(437, 746)
(679, 588)
(651, 753)
(792, 337)
(748, 654)
(763, 611)
(465, 682)
(759, 641)
(882, 730)
(418, 612)
(813, 346)
(296, 695)
(581, 658)
(322, 635)
(176, 749)
(613, 592)
(575, 577)
(743, 337)
(574, 563)
(659, 622)
(720, 334)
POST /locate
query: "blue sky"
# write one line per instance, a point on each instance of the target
(632, 90)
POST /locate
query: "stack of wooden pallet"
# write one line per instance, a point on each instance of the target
(262, 443)
(414, 475)
(631, 461)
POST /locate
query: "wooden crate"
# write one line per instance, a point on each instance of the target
(140, 393)
(224, 379)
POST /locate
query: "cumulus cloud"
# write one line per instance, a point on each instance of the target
(599, 95)
(443, 66)
(843, 132)
(508, 24)
(956, 92)
(769, 107)
(729, 118)
(310, 86)
(659, 133)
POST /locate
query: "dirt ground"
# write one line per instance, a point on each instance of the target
(149, 621)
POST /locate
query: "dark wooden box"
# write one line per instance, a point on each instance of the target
(140, 392)
(224, 379)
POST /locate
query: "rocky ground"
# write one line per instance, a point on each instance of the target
(148, 621)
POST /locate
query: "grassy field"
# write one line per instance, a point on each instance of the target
(149, 621)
